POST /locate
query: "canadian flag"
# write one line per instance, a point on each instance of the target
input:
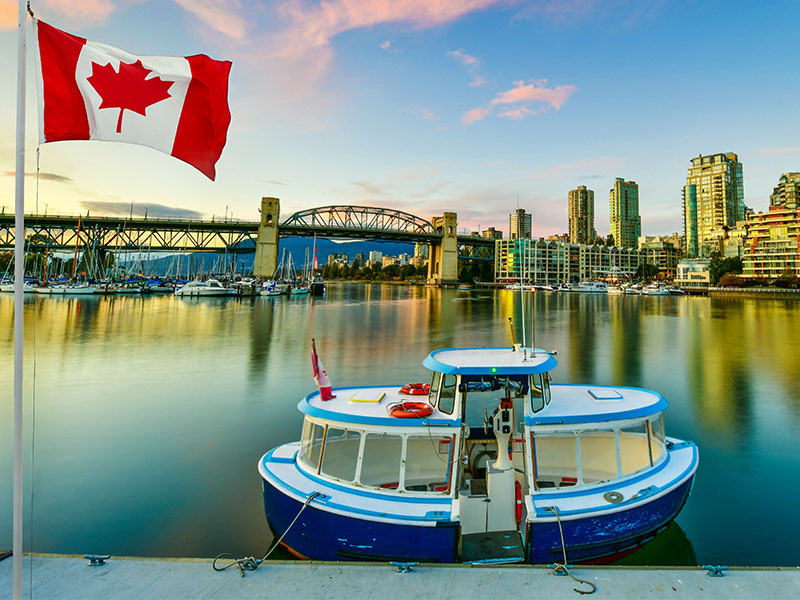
(91, 91)
(321, 375)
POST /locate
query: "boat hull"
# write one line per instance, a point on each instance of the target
(324, 535)
(606, 537)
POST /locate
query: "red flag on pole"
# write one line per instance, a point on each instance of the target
(320, 375)
(92, 91)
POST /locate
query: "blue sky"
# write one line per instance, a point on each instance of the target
(427, 107)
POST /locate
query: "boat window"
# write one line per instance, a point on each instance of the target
(546, 388)
(598, 456)
(484, 392)
(341, 453)
(556, 460)
(633, 449)
(447, 397)
(434, 388)
(380, 466)
(311, 443)
(657, 439)
(537, 393)
(427, 463)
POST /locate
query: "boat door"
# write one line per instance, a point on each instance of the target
(487, 498)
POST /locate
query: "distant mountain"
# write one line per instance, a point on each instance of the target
(296, 246)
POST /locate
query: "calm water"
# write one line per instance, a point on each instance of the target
(151, 413)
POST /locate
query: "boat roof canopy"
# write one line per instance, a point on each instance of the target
(490, 361)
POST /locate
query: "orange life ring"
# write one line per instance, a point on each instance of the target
(416, 389)
(411, 410)
(518, 498)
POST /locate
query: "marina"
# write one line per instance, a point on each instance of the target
(166, 383)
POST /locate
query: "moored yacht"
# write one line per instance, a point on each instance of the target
(590, 286)
(209, 287)
(489, 463)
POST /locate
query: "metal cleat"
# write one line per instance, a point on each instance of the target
(715, 571)
(404, 567)
(95, 560)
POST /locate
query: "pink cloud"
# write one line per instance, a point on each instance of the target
(531, 93)
(478, 81)
(220, 15)
(523, 94)
(70, 13)
(462, 57)
(475, 115)
(386, 45)
(314, 27)
(428, 115)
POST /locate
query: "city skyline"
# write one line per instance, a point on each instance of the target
(427, 108)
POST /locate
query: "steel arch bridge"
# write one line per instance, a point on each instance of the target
(361, 219)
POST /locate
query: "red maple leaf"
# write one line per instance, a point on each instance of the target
(129, 89)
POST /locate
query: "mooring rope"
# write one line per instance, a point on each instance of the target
(562, 568)
(251, 563)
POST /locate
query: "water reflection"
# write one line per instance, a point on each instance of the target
(152, 412)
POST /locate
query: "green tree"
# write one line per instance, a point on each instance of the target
(610, 240)
(647, 271)
(719, 266)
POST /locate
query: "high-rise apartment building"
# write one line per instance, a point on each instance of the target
(626, 224)
(787, 193)
(713, 198)
(491, 233)
(581, 216)
(519, 225)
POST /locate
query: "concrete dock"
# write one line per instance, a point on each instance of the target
(68, 577)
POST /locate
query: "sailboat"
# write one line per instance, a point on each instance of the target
(71, 287)
(299, 284)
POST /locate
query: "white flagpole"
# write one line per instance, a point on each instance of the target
(19, 281)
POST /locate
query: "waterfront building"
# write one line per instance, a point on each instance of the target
(661, 252)
(553, 262)
(360, 260)
(490, 233)
(403, 259)
(713, 198)
(338, 259)
(626, 224)
(787, 192)
(388, 260)
(375, 256)
(581, 216)
(772, 249)
(421, 250)
(519, 224)
(693, 272)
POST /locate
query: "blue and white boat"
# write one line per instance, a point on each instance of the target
(491, 466)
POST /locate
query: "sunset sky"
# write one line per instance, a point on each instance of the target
(428, 106)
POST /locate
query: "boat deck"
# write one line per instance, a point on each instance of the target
(370, 406)
(69, 577)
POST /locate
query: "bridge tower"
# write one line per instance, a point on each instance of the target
(443, 257)
(266, 258)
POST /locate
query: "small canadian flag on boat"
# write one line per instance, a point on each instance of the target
(92, 91)
(321, 375)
